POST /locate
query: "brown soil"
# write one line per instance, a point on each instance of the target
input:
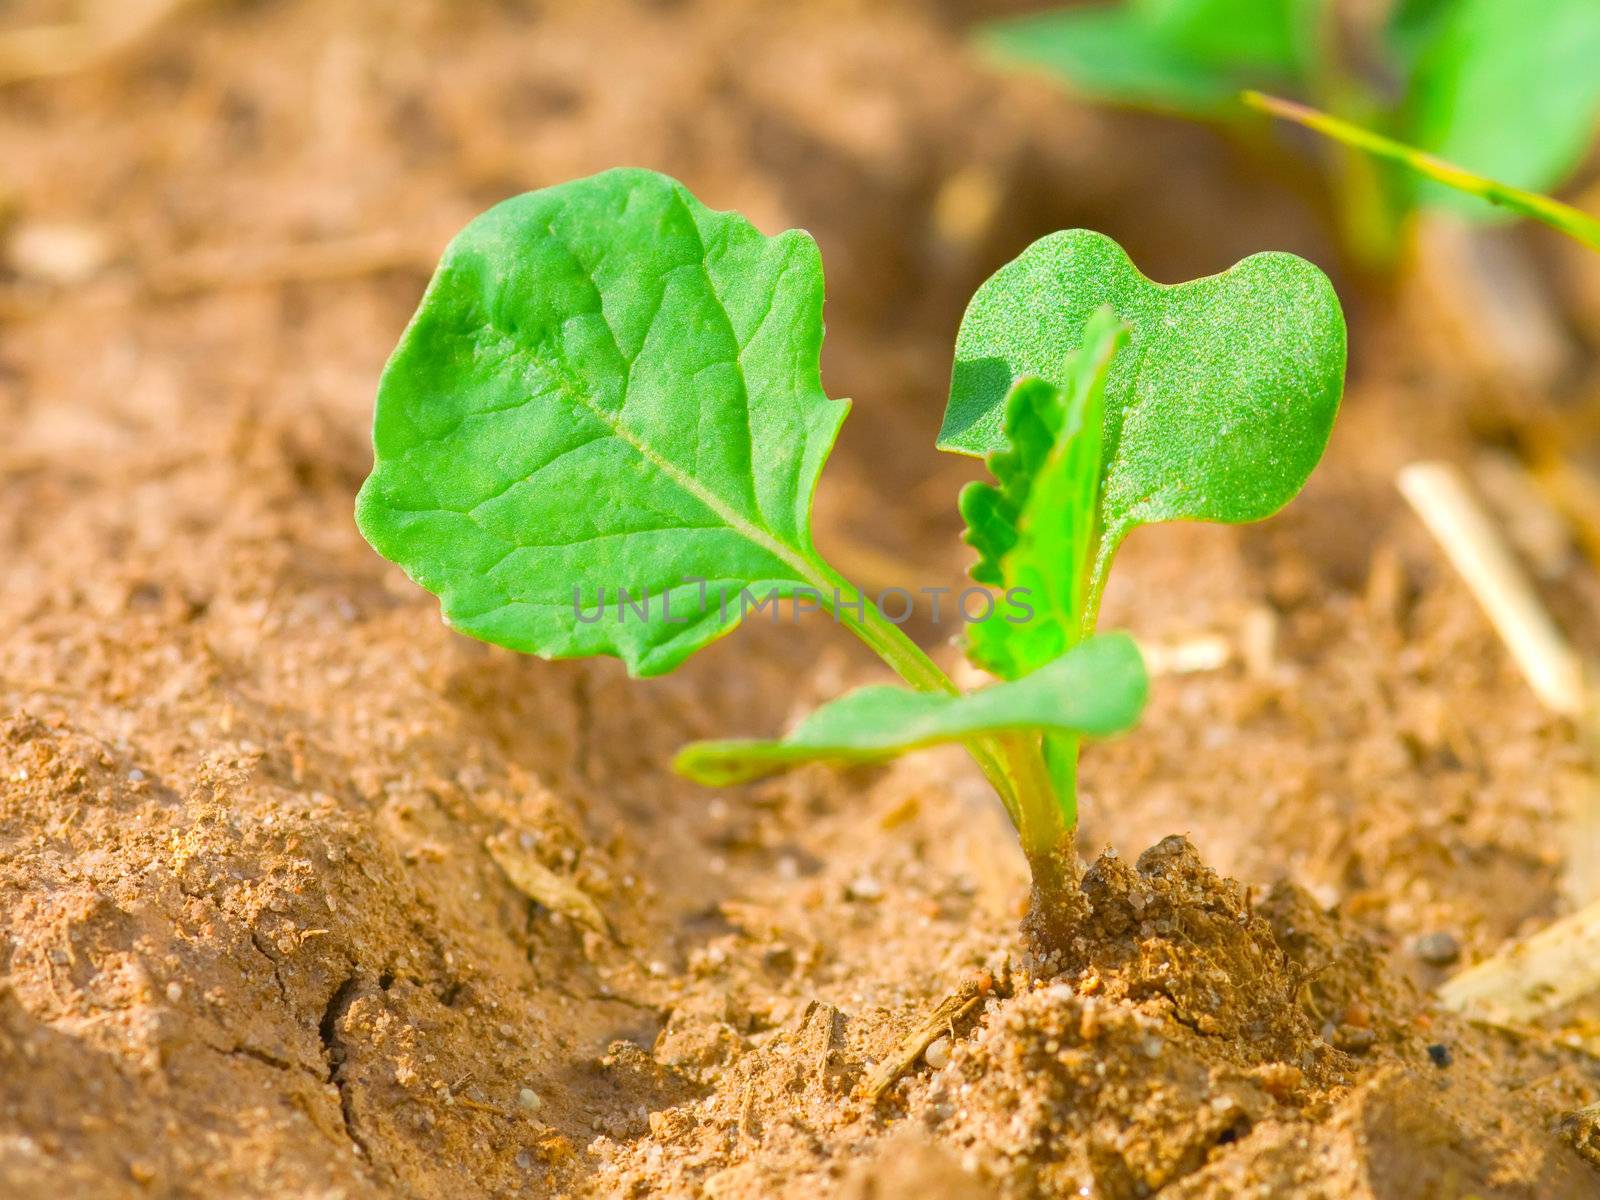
(260, 813)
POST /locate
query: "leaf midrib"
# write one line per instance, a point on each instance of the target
(765, 539)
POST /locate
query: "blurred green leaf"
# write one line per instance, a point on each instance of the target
(1186, 56)
(1412, 26)
(1507, 88)
(1096, 689)
(1111, 54)
(1273, 36)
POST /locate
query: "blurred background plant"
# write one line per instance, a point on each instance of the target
(1506, 88)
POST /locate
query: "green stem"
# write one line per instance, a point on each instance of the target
(850, 606)
(1061, 760)
(1003, 767)
(1573, 222)
(1040, 823)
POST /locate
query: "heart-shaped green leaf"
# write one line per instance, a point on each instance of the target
(607, 386)
(1036, 531)
(1096, 689)
(1218, 408)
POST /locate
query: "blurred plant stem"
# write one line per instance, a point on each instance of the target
(1573, 222)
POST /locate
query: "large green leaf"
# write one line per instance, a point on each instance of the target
(1035, 532)
(1096, 689)
(607, 385)
(1217, 410)
(1509, 89)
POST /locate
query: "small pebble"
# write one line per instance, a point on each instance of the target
(1353, 1039)
(174, 992)
(529, 1099)
(1440, 1054)
(1089, 1022)
(865, 887)
(937, 1054)
(1439, 949)
(1582, 1129)
(57, 253)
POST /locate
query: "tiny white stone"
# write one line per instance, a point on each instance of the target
(865, 887)
(174, 992)
(937, 1054)
(529, 1099)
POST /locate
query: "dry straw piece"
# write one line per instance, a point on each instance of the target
(1553, 669)
(1476, 549)
(1535, 976)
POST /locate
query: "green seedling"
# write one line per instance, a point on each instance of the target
(1508, 88)
(609, 387)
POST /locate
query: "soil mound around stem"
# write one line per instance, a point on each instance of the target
(1202, 1046)
(1195, 1044)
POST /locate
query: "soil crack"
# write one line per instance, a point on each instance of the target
(260, 946)
(333, 1045)
(266, 1057)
